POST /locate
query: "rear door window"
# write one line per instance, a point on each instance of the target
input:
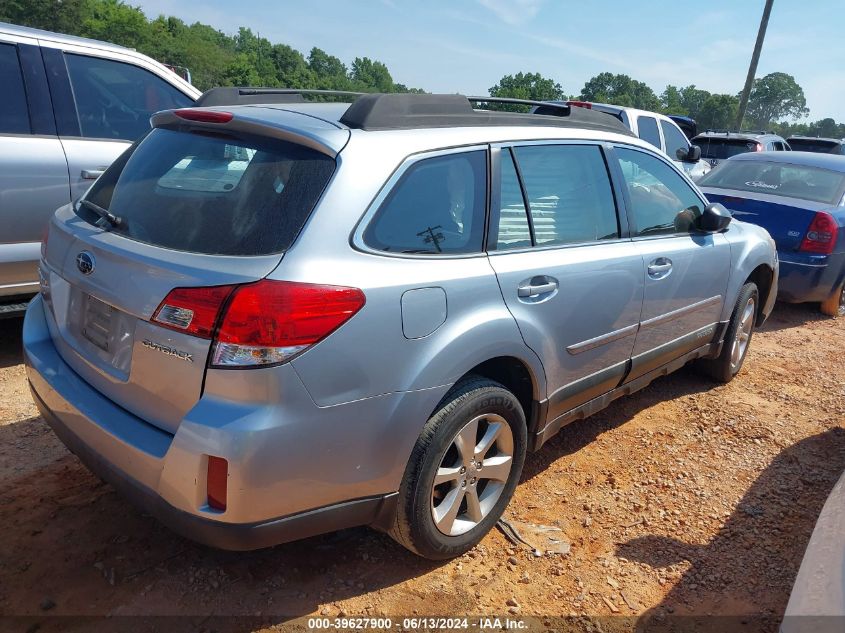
(647, 127)
(675, 140)
(570, 199)
(115, 100)
(14, 113)
(212, 194)
(437, 207)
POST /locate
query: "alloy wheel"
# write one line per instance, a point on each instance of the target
(472, 474)
(743, 333)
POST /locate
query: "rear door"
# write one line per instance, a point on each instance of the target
(567, 270)
(197, 211)
(648, 131)
(33, 170)
(686, 273)
(103, 105)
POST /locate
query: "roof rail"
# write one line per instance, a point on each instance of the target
(395, 111)
(245, 96)
(564, 108)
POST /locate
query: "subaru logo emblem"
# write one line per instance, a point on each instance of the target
(85, 262)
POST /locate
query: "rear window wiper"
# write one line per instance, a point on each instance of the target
(104, 214)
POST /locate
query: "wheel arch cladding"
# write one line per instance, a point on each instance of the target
(762, 277)
(514, 375)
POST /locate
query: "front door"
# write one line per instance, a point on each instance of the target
(571, 280)
(686, 272)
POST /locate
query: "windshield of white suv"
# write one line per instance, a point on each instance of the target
(210, 194)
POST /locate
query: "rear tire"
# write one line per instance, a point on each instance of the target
(834, 306)
(737, 338)
(463, 470)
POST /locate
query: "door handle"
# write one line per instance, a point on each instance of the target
(660, 267)
(532, 290)
(91, 174)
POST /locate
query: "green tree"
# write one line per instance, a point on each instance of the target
(531, 86)
(214, 58)
(368, 75)
(671, 101)
(773, 97)
(64, 17)
(620, 90)
(718, 112)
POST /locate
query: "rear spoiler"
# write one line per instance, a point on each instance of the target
(288, 126)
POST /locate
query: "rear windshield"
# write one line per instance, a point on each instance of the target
(778, 179)
(814, 145)
(212, 194)
(723, 147)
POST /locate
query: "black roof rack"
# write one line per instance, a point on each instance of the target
(402, 111)
(246, 96)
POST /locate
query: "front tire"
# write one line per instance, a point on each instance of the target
(463, 470)
(835, 304)
(737, 338)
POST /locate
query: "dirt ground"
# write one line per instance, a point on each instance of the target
(686, 498)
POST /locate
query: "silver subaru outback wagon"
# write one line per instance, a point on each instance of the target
(268, 321)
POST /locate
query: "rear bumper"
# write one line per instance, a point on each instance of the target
(806, 278)
(374, 511)
(165, 474)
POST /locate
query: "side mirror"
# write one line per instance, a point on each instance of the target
(692, 155)
(714, 219)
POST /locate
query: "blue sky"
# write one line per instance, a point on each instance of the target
(468, 45)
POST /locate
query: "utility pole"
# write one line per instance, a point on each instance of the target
(752, 69)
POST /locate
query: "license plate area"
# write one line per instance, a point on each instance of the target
(98, 322)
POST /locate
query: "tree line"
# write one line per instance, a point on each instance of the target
(774, 100)
(247, 59)
(213, 58)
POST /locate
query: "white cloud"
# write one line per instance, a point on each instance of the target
(513, 12)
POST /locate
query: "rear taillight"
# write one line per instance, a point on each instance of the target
(580, 104)
(270, 322)
(821, 236)
(192, 310)
(759, 147)
(263, 323)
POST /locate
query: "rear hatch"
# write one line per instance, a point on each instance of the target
(781, 197)
(816, 145)
(715, 149)
(196, 207)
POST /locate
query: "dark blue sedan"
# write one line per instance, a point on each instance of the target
(799, 198)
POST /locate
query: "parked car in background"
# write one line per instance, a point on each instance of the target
(243, 325)
(817, 144)
(657, 129)
(70, 106)
(717, 146)
(799, 198)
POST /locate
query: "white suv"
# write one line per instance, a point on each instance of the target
(657, 129)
